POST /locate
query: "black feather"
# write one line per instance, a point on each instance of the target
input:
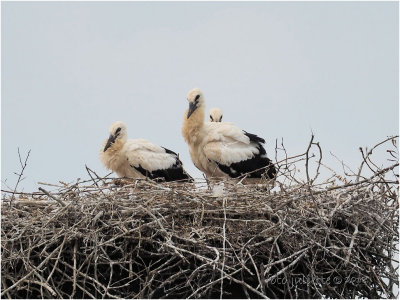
(256, 166)
(173, 173)
(169, 151)
(254, 138)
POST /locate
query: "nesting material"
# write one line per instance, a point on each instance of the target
(141, 239)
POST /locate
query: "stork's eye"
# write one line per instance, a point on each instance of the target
(118, 130)
(211, 117)
(197, 98)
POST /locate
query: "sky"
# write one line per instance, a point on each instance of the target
(281, 70)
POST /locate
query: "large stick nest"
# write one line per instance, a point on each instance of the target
(108, 238)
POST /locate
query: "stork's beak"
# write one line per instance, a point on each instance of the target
(192, 108)
(110, 141)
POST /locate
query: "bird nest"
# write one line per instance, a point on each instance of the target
(109, 238)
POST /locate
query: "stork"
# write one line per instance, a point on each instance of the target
(139, 158)
(215, 114)
(221, 149)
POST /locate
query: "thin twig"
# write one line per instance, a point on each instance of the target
(23, 166)
(52, 197)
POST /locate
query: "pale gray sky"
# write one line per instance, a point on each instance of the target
(277, 69)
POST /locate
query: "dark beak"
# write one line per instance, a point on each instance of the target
(110, 141)
(192, 108)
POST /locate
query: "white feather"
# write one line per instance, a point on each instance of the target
(149, 156)
(225, 143)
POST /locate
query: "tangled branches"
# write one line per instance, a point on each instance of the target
(108, 238)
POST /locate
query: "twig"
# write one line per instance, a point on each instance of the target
(351, 244)
(74, 270)
(52, 197)
(23, 166)
(223, 247)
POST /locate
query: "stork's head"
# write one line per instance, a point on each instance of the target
(196, 99)
(215, 115)
(117, 132)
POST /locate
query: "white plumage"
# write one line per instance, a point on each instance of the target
(227, 144)
(139, 158)
(141, 152)
(221, 149)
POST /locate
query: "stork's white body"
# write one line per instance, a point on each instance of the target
(220, 143)
(220, 149)
(135, 153)
(139, 158)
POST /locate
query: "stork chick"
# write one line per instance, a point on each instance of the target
(139, 158)
(215, 115)
(221, 149)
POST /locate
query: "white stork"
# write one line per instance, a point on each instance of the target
(139, 158)
(215, 115)
(221, 149)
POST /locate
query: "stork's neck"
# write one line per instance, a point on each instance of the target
(193, 126)
(112, 157)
